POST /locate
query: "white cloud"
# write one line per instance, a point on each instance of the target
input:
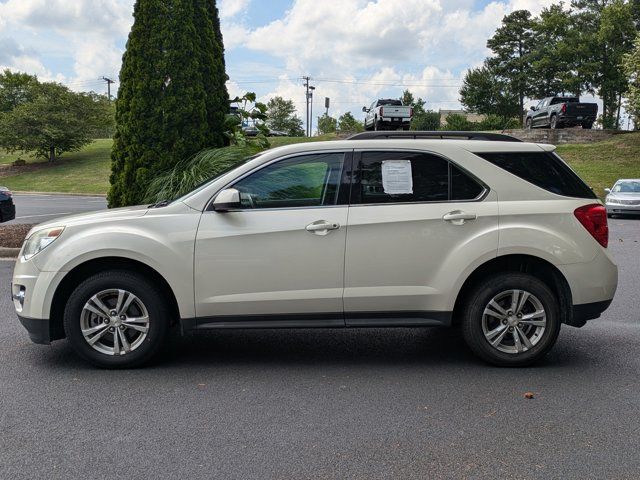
(231, 8)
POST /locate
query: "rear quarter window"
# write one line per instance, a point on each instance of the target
(543, 169)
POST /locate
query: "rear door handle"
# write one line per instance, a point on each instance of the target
(322, 227)
(458, 217)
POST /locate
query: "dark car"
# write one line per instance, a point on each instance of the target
(7, 208)
(558, 112)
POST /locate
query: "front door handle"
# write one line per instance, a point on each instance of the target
(322, 227)
(458, 217)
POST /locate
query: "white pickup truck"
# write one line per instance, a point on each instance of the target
(387, 114)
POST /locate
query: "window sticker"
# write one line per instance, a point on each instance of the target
(396, 177)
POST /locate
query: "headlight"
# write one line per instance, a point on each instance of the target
(39, 240)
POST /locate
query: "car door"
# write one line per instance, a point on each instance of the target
(415, 221)
(280, 257)
(540, 117)
(369, 120)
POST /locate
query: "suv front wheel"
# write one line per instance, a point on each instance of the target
(116, 319)
(511, 319)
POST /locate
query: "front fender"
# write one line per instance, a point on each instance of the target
(165, 243)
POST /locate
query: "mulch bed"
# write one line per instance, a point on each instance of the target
(12, 236)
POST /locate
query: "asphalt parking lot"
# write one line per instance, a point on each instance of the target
(35, 208)
(370, 403)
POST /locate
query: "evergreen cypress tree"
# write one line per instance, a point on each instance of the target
(172, 99)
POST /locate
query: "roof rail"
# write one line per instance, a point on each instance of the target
(432, 135)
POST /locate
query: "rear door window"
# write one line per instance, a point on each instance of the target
(432, 179)
(543, 169)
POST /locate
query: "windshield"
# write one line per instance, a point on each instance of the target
(627, 187)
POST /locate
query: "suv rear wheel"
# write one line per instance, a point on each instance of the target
(116, 319)
(511, 319)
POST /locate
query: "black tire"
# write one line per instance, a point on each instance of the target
(553, 122)
(527, 124)
(473, 312)
(159, 318)
(587, 126)
(376, 125)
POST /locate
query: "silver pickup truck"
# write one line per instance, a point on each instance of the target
(387, 114)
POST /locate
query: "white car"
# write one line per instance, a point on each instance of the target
(498, 237)
(624, 197)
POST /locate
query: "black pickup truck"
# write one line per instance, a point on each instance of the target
(559, 112)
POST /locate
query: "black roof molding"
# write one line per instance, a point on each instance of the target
(432, 135)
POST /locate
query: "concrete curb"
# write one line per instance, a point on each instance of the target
(6, 252)
(98, 195)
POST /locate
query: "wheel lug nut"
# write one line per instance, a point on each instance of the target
(511, 329)
(121, 327)
(112, 329)
(509, 313)
(519, 324)
(519, 315)
(106, 320)
(113, 313)
(504, 322)
(122, 317)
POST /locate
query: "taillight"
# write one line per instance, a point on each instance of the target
(594, 218)
(411, 112)
(382, 111)
(564, 108)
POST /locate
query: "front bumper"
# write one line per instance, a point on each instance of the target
(618, 208)
(38, 329)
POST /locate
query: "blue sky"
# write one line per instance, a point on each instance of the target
(355, 50)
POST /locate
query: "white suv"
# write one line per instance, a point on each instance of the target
(498, 237)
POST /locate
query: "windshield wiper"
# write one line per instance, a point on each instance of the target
(161, 203)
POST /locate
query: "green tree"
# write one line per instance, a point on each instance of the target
(16, 88)
(512, 45)
(631, 64)
(327, 124)
(606, 30)
(172, 100)
(485, 92)
(54, 120)
(425, 120)
(554, 59)
(348, 123)
(281, 116)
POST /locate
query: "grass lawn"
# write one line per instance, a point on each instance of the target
(599, 164)
(86, 171)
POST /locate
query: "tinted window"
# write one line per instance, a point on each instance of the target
(463, 187)
(430, 176)
(543, 169)
(307, 181)
(390, 102)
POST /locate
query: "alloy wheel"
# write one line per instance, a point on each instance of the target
(114, 322)
(514, 321)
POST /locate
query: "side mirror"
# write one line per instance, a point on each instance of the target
(607, 190)
(533, 108)
(228, 199)
(365, 109)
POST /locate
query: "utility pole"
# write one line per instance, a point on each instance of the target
(327, 102)
(311, 114)
(109, 82)
(306, 84)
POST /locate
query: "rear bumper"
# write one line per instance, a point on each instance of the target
(587, 311)
(574, 120)
(7, 211)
